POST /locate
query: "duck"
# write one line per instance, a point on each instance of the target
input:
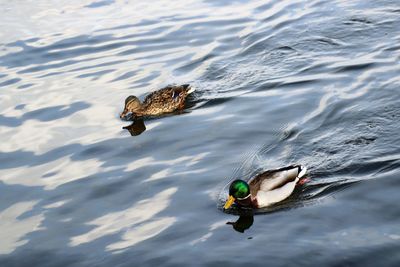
(266, 188)
(166, 100)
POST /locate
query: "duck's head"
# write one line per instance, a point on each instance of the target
(239, 192)
(132, 104)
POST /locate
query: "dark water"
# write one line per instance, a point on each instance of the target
(278, 82)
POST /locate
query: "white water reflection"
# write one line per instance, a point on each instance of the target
(137, 222)
(206, 236)
(63, 170)
(187, 161)
(141, 233)
(14, 229)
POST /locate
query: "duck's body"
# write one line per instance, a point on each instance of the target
(166, 100)
(266, 188)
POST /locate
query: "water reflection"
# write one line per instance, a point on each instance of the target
(132, 225)
(136, 128)
(17, 226)
(243, 223)
(72, 188)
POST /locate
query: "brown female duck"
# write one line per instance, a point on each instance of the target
(166, 100)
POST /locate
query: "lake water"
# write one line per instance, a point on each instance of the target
(278, 82)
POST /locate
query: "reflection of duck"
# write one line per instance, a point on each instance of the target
(243, 223)
(166, 100)
(136, 128)
(266, 188)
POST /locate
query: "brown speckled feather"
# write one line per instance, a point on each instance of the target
(166, 100)
(255, 183)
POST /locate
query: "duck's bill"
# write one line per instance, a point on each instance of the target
(125, 114)
(122, 115)
(229, 202)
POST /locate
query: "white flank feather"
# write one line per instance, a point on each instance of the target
(277, 179)
(267, 198)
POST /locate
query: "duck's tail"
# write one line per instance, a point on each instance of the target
(302, 171)
(190, 89)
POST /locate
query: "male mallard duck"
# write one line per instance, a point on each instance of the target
(266, 188)
(166, 100)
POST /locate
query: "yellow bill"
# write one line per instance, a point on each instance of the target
(229, 202)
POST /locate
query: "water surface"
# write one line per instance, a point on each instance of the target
(278, 82)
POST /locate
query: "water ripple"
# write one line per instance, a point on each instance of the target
(277, 83)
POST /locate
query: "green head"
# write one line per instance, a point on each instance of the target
(238, 190)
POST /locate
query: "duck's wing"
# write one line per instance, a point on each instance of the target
(274, 186)
(158, 96)
(274, 179)
(268, 198)
(167, 94)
